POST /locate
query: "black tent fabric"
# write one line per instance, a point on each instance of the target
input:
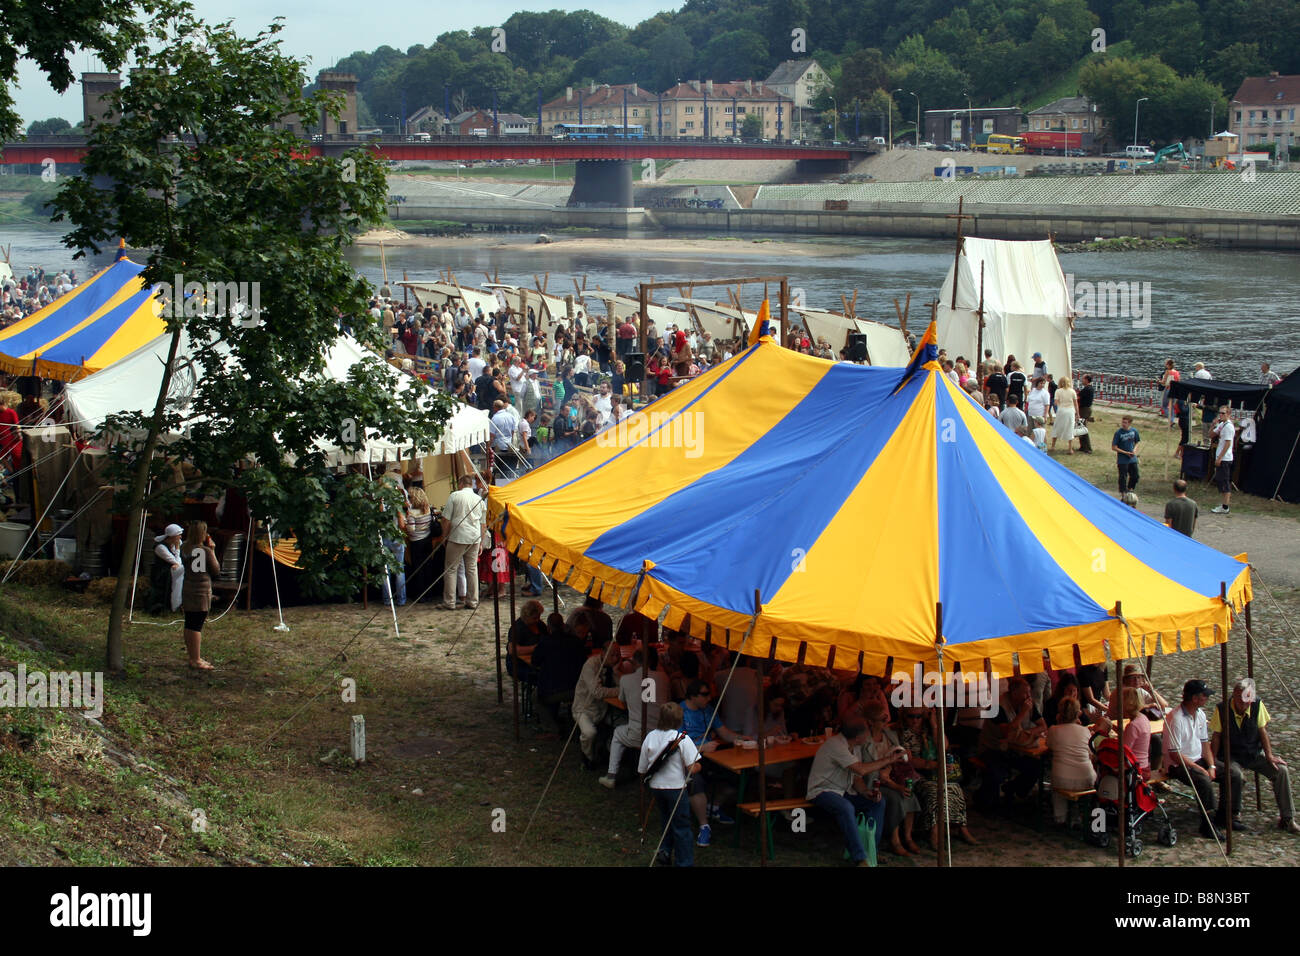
(1237, 394)
(1275, 468)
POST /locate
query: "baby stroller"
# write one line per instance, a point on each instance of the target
(1141, 802)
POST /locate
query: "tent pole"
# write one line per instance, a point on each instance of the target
(514, 681)
(1250, 672)
(785, 307)
(1123, 764)
(496, 614)
(762, 741)
(942, 742)
(1225, 806)
(956, 255)
(979, 333)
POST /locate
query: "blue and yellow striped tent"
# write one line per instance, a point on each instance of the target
(850, 502)
(104, 319)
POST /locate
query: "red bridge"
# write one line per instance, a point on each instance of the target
(604, 166)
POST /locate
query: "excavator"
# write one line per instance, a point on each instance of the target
(1172, 151)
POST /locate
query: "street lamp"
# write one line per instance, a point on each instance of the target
(891, 115)
(1065, 138)
(918, 116)
(835, 119)
(1136, 108)
(970, 122)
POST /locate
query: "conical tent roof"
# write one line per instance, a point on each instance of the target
(104, 319)
(853, 500)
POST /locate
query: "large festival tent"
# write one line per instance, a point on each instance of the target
(101, 321)
(1027, 306)
(791, 507)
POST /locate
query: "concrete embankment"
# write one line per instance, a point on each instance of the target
(1226, 209)
(1067, 224)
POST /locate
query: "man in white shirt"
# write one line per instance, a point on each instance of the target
(581, 366)
(1267, 376)
(504, 422)
(1202, 371)
(601, 403)
(518, 374)
(628, 736)
(476, 364)
(1188, 756)
(1225, 432)
(463, 519)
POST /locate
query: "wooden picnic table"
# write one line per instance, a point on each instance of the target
(739, 759)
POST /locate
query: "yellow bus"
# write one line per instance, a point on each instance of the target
(1001, 143)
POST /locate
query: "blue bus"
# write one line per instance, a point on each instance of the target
(597, 131)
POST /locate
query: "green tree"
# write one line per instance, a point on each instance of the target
(1229, 66)
(49, 33)
(735, 55)
(1171, 31)
(752, 127)
(192, 169)
(49, 127)
(861, 73)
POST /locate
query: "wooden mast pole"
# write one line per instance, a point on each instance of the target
(1225, 807)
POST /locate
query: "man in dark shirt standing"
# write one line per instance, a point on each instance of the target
(996, 384)
(1086, 395)
(1016, 383)
(1181, 511)
(1125, 444)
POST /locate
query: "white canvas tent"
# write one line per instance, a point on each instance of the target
(885, 344)
(1026, 304)
(132, 384)
(434, 293)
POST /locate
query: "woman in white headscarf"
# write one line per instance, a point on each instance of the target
(169, 572)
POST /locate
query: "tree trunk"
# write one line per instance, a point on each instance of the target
(139, 488)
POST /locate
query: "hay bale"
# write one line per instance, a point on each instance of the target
(101, 589)
(41, 573)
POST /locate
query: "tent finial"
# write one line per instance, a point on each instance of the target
(121, 249)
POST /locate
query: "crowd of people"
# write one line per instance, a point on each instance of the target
(879, 755)
(25, 294)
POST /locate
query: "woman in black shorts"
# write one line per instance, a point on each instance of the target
(199, 556)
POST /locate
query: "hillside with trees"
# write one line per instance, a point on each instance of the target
(1186, 55)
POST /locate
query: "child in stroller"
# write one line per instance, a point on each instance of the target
(1140, 801)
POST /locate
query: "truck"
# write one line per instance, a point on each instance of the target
(1047, 142)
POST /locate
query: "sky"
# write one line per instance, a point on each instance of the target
(325, 31)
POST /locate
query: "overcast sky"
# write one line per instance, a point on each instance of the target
(324, 31)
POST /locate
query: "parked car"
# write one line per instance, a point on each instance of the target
(925, 145)
(962, 148)
(944, 148)
(1138, 152)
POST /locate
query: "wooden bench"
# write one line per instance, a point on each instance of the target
(773, 807)
(1074, 796)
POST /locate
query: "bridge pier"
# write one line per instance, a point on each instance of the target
(602, 182)
(821, 167)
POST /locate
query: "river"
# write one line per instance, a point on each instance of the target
(1228, 309)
